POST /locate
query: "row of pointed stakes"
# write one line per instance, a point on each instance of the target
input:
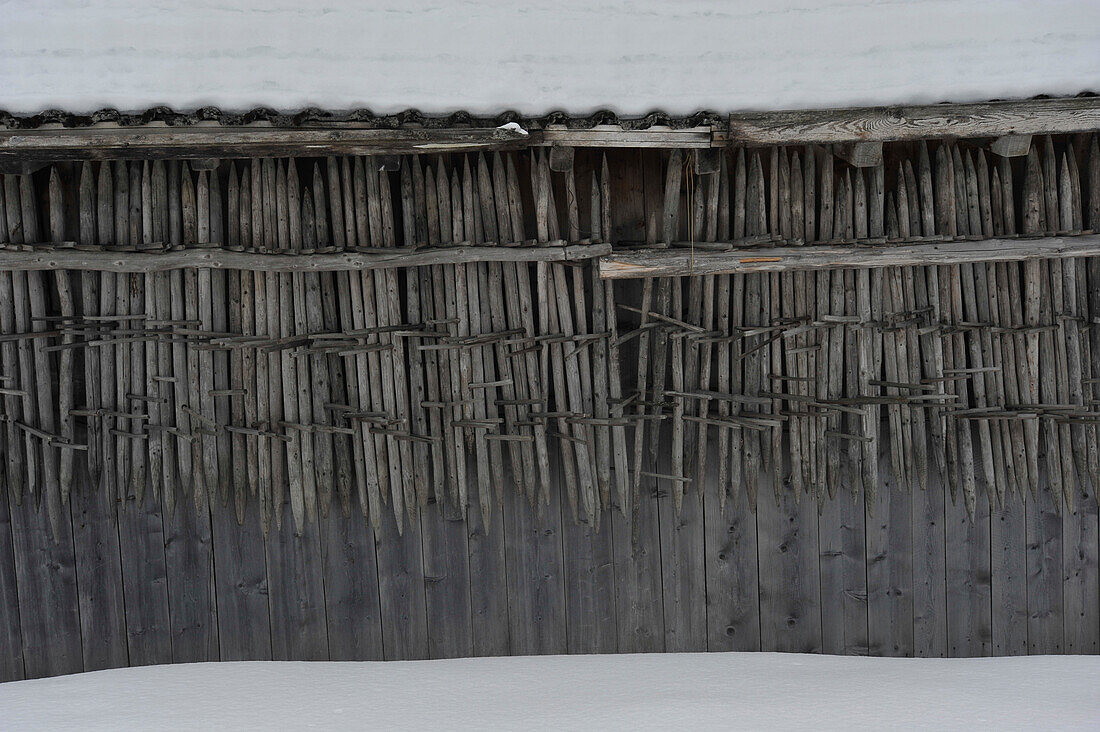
(981, 372)
(380, 386)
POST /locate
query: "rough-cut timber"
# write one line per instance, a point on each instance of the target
(885, 124)
(679, 260)
(162, 258)
(823, 443)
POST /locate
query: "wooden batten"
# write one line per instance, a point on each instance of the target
(680, 260)
(157, 258)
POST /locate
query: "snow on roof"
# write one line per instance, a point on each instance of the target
(537, 56)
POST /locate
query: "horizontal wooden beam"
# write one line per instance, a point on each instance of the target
(616, 136)
(203, 142)
(70, 257)
(990, 119)
(679, 261)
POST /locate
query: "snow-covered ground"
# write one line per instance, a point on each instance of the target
(632, 692)
(538, 55)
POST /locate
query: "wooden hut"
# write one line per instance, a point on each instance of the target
(354, 386)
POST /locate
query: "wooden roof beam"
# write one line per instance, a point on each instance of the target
(884, 124)
(217, 142)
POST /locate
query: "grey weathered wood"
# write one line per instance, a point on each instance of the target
(45, 565)
(611, 136)
(1011, 146)
(205, 142)
(989, 119)
(891, 598)
(45, 572)
(1008, 578)
(969, 621)
(98, 572)
(1081, 619)
(790, 602)
(1045, 607)
(930, 569)
(844, 575)
(638, 594)
(678, 261)
(94, 519)
(496, 547)
(189, 559)
(51, 257)
(683, 562)
(11, 631)
(240, 584)
(733, 607)
(352, 613)
(863, 154)
(535, 573)
(589, 581)
(443, 535)
(296, 593)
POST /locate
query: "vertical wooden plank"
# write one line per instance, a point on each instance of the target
(636, 188)
(240, 584)
(299, 631)
(401, 590)
(352, 611)
(98, 572)
(929, 569)
(733, 602)
(49, 612)
(790, 604)
(589, 577)
(890, 587)
(842, 547)
(1081, 619)
(969, 621)
(446, 580)
(11, 632)
(535, 567)
(1008, 543)
(494, 551)
(683, 561)
(145, 580)
(189, 558)
(1045, 632)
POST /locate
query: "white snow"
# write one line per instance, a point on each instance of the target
(540, 55)
(630, 692)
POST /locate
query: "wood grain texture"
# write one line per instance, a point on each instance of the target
(51, 257)
(11, 631)
(680, 260)
(990, 119)
(241, 586)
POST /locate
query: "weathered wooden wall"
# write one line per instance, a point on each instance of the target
(138, 582)
(132, 587)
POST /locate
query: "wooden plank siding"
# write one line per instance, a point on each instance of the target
(810, 596)
(904, 570)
